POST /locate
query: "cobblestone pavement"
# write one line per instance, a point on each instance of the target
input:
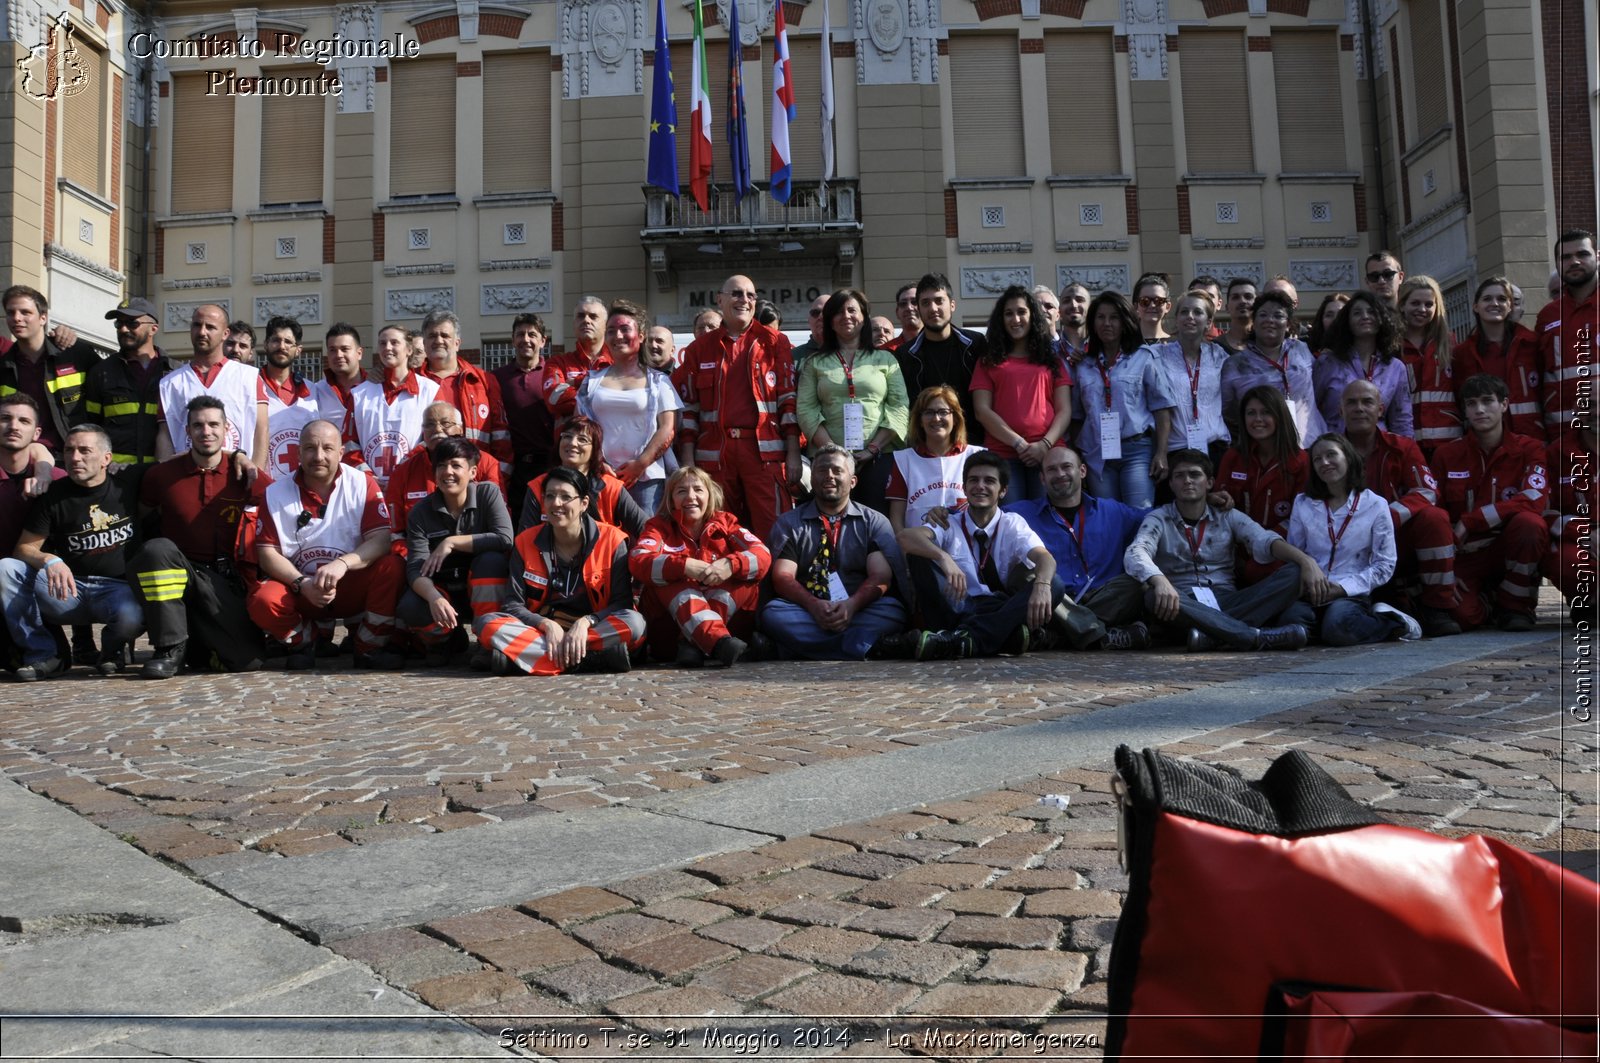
(982, 926)
(289, 765)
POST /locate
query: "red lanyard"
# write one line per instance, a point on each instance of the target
(1368, 368)
(1075, 533)
(1282, 367)
(988, 546)
(832, 527)
(1194, 383)
(1195, 537)
(1335, 536)
(849, 372)
(1105, 374)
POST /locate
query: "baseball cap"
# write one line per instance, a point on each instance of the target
(134, 307)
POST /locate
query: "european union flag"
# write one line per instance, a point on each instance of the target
(662, 169)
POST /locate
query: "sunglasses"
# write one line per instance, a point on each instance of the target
(1376, 275)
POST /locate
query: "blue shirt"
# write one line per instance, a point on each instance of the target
(1107, 528)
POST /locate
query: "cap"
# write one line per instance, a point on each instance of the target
(134, 307)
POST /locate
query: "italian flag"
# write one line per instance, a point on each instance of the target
(700, 119)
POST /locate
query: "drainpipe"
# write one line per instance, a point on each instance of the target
(1377, 138)
(146, 163)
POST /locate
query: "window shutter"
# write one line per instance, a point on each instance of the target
(291, 143)
(986, 106)
(85, 145)
(1310, 107)
(422, 108)
(516, 106)
(202, 147)
(1216, 102)
(1427, 66)
(717, 92)
(805, 132)
(1080, 78)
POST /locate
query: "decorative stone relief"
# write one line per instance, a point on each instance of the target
(244, 20)
(1146, 24)
(1210, 243)
(417, 302)
(467, 19)
(26, 20)
(1254, 272)
(178, 314)
(514, 299)
(55, 252)
(305, 276)
(1095, 278)
(184, 284)
(356, 22)
(602, 47)
(755, 18)
(897, 41)
(1323, 273)
(306, 309)
(1081, 246)
(988, 283)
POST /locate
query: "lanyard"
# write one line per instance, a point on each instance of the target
(983, 558)
(849, 372)
(1368, 368)
(1075, 534)
(1105, 374)
(1335, 536)
(1195, 537)
(1194, 384)
(832, 527)
(1282, 367)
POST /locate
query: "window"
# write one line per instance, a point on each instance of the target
(422, 112)
(986, 106)
(516, 106)
(1427, 67)
(1216, 102)
(1080, 77)
(202, 147)
(84, 148)
(1310, 108)
(291, 143)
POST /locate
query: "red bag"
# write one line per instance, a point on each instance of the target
(1286, 899)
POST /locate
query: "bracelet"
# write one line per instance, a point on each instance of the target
(52, 561)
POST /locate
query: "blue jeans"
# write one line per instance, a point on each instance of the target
(1027, 482)
(1345, 621)
(25, 598)
(799, 635)
(648, 494)
(1128, 478)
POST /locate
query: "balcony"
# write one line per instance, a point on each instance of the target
(818, 224)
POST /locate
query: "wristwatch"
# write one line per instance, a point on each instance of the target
(295, 586)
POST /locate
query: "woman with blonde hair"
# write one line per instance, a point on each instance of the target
(1435, 412)
(927, 473)
(701, 574)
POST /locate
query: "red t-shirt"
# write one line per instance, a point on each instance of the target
(1023, 396)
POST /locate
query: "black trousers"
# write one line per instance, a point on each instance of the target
(202, 604)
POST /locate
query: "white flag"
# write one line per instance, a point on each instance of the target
(826, 110)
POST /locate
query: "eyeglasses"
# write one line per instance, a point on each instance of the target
(741, 296)
(937, 415)
(815, 311)
(1153, 302)
(1376, 275)
(441, 424)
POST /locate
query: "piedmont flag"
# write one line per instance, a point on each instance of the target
(662, 168)
(825, 112)
(700, 118)
(738, 133)
(783, 109)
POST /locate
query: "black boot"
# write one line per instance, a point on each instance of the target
(1288, 637)
(166, 662)
(615, 659)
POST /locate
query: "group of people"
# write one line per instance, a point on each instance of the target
(1073, 477)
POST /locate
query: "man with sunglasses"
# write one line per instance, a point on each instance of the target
(739, 422)
(1384, 276)
(814, 344)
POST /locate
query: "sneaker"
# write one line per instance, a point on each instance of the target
(1412, 631)
(726, 653)
(1136, 636)
(1437, 622)
(908, 645)
(44, 669)
(381, 659)
(166, 662)
(689, 656)
(1508, 621)
(1199, 641)
(1016, 643)
(1287, 637)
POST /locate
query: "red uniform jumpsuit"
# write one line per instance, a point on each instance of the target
(1498, 501)
(672, 603)
(1264, 492)
(1396, 472)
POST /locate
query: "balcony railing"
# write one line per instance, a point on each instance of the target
(811, 207)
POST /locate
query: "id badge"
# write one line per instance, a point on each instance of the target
(1111, 436)
(855, 426)
(1206, 597)
(836, 591)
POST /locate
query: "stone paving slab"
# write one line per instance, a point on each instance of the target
(1442, 750)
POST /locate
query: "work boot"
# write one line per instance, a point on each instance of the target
(1136, 636)
(166, 662)
(689, 656)
(761, 648)
(1438, 622)
(1509, 621)
(1287, 637)
(113, 658)
(381, 659)
(613, 660)
(726, 653)
(302, 658)
(83, 647)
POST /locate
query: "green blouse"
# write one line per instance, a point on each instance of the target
(880, 389)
